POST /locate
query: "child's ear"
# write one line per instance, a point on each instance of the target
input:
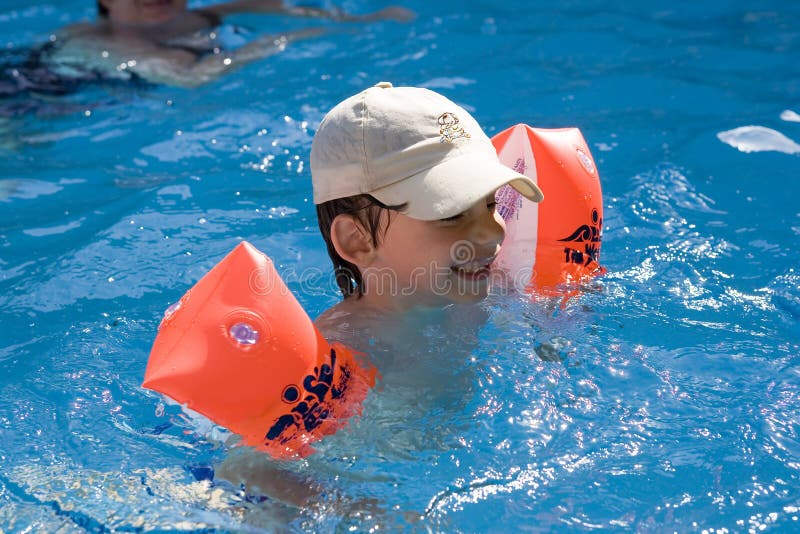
(352, 241)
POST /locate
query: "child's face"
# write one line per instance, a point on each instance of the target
(436, 262)
(143, 12)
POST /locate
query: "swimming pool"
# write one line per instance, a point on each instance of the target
(669, 399)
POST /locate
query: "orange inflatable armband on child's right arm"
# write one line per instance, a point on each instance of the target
(239, 349)
(552, 245)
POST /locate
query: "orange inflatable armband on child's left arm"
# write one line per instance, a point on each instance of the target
(239, 349)
(552, 245)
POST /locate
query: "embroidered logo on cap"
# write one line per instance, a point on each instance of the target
(449, 128)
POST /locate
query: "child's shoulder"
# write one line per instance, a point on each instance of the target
(342, 321)
(356, 324)
(329, 320)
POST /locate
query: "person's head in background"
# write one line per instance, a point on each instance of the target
(140, 12)
(404, 182)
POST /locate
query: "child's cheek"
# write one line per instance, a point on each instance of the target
(500, 221)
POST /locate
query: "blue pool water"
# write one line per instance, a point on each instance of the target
(666, 400)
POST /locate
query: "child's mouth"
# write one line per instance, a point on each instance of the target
(156, 3)
(474, 270)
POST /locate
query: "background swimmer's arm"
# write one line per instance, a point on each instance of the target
(396, 13)
(184, 69)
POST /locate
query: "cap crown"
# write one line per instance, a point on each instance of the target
(386, 134)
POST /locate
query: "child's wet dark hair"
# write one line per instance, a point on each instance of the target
(367, 210)
(102, 10)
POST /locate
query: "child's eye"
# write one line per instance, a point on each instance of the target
(453, 218)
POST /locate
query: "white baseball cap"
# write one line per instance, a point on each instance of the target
(408, 145)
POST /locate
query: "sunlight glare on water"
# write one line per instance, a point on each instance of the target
(665, 397)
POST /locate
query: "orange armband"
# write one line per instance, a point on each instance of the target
(239, 349)
(553, 244)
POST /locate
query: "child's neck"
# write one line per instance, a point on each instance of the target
(395, 302)
(362, 326)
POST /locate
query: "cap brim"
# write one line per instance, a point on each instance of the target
(455, 185)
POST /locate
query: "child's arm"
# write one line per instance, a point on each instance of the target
(261, 475)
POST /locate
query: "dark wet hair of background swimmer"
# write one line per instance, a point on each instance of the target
(21, 69)
(101, 9)
(27, 84)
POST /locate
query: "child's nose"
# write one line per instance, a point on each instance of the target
(489, 230)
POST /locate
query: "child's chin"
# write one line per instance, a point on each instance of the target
(475, 295)
(473, 289)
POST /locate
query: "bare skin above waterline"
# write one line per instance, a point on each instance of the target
(163, 42)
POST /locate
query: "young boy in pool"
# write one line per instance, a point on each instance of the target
(404, 182)
(162, 41)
